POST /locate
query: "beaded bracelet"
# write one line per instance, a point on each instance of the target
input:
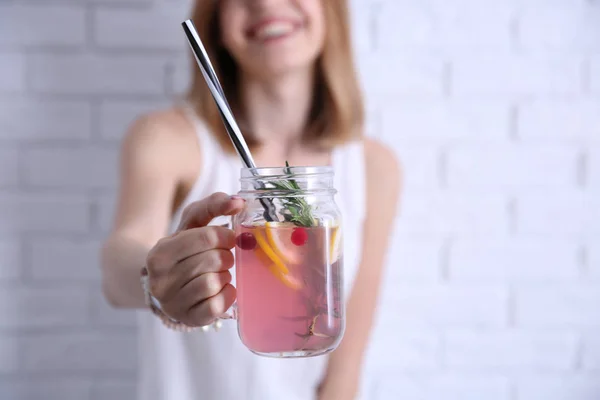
(167, 321)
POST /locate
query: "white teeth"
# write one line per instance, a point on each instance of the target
(274, 29)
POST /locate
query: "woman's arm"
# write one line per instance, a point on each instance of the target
(383, 191)
(150, 174)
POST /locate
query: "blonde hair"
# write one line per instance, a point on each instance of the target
(337, 113)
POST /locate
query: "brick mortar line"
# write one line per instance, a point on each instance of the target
(21, 176)
(95, 220)
(445, 274)
(515, 44)
(513, 125)
(54, 191)
(27, 49)
(586, 77)
(579, 353)
(442, 167)
(513, 217)
(81, 97)
(447, 79)
(87, 49)
(108, 332)
(117, 5)
(74, 238)
(442, 356)
(96, 123)
(66, 189)
(53, 143)
(61, 143)
(70, 145)
(158, 51)
(67, 373)
(582, 169)
(26, 260)
(58, 286)
(83, 329)
(169, 79)
(583, 261)
(513, 392)
(51, 282)
(374, 11)
(124, 5)
(90, 26)
(511, 309)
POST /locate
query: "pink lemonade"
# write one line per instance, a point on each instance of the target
(289, 289)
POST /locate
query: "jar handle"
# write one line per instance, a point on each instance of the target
(231, 313)
(225, 221)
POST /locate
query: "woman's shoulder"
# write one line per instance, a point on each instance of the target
(380, 156)
(383, 170)
(378, 160)
(162, 139)
(168, 127)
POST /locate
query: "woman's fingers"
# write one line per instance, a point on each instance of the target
(204, 287)
(171, 250)
(190, 269)
(201, 212)
(196, 310)
(198, 240)
(206, 311)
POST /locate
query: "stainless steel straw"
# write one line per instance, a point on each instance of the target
(218, 95)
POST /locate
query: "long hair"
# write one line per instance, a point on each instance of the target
(337, 111)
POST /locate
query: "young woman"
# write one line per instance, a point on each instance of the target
(287, 70)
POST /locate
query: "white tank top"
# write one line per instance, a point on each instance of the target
(215, 365)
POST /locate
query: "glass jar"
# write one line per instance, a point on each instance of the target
(289, 262)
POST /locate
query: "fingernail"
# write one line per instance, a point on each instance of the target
(236, 197)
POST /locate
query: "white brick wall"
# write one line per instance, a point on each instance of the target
(53, 167)
(54, 119)
(581, 387)
(594, 167)
(517, 75)
(500, 168)
(594, 74)
(96, 74)
(559, 120)
(12, 79)
(485, 260)
(493, 281)
(433, 26)
(27, 25)
(436, 386)
(481, 351)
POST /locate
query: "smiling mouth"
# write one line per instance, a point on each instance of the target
(273, 30)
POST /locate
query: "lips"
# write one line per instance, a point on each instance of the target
(273, 29)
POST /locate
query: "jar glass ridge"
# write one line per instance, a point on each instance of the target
(289, 262)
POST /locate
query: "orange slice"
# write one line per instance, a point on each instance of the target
(262, 242)
(287, 279)
(279, 235)
(284, 277)
(335, 245)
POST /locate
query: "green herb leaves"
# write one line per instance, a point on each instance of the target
(296, 208)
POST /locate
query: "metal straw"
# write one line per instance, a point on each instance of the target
(218, 95)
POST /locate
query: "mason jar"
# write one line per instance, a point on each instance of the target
(289, 262)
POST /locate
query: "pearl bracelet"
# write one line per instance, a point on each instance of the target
(167, 321)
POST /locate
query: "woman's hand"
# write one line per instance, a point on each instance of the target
(189, 271)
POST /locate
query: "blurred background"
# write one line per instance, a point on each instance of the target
(492, 288)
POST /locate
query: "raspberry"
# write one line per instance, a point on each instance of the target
(299, 236)
(246, 241)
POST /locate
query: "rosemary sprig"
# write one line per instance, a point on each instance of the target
(297, 209)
